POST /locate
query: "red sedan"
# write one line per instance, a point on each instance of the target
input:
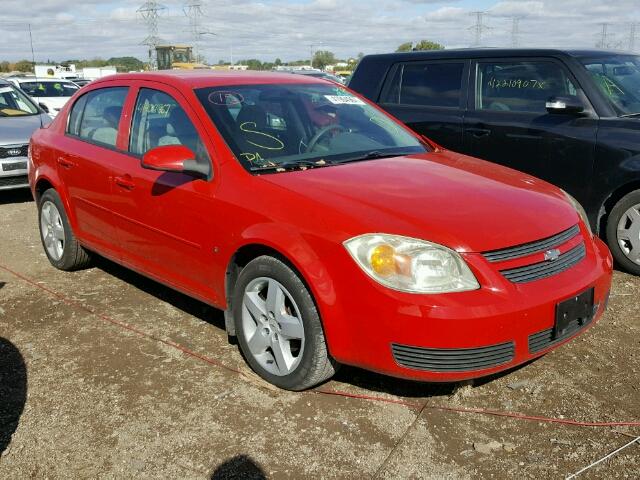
(328, 232)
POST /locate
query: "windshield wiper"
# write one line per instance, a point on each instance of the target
(630, 115)
(374, 154)
(291, 165)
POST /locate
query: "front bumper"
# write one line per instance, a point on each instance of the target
(458, 336)
(13, 173)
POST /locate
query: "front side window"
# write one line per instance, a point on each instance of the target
(521, 86)
(14, 103)
(49, 89)
(274, 126)
(618, 78)
(159, 120)
(430, 84)
(96, 115)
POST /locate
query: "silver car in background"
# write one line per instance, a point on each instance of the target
(19, 118)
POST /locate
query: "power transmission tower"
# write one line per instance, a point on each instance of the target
(193, 11)
(515, 31)
(479, 28)
(603, 43)
(150, 11)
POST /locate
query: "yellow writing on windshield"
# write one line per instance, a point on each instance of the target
(515, 83)
(276, 143)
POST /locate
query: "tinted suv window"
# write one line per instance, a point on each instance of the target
(429, 84)
(521, 86)
(96, 115)
(159, 120)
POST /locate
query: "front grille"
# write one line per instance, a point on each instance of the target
(544, 339)
(537, 271)
(13, 181)
(532, 247)
(453, 359)
(23, 150)
(9, 167)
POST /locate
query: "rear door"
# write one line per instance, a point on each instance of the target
(85, 157)
(507, 121)
(430, 97)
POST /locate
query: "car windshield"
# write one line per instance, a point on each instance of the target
(277, 126)
(49, 89)
(618, 77)
(14, 103)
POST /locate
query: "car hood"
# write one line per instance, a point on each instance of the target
(464, 203)
(18, 130)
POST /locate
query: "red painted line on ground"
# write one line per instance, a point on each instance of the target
(321, 391)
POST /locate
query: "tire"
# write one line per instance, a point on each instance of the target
(623, 232)
(60, 244)
(288, 348)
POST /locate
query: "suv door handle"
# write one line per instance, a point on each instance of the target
(125, 182)
(479, 132)
(65, 163)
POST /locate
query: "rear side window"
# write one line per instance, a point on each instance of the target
(521, 86)
(95, 116)
(428, 84)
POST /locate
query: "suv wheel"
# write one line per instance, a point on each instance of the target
(623, 232)
(59, 242)
(278, 326)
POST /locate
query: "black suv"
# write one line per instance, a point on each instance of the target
(569, 117)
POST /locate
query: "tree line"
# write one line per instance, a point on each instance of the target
(122, 64)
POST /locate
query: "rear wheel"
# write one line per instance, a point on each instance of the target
(623, 232)
(278, 326)
(59, 242)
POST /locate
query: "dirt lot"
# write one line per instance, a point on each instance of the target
(106, 374)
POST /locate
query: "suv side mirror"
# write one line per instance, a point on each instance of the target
(567, 104)
(174, 158)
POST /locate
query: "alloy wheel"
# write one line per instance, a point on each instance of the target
(52, 230)
(629, 233)
(272, 326)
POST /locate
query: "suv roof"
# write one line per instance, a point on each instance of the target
(496, 52)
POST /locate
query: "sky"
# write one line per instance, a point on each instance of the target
(292, 29)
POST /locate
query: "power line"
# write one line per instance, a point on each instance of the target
(150, 11)
(193, 11)
(515, 31)
(603, 43)
(632, 36)
(479, 28)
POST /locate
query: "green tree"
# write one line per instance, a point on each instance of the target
(322, 58)
(126, 64)
(278, 62)
(421, 45)
(5, 66)
(23, 66)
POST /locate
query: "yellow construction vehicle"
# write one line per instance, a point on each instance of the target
(176, 57)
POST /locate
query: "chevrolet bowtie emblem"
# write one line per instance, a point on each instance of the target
(552, 255)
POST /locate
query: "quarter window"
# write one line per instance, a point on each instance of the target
(95, 116)
(159, 120)
(430, 84)
(521, 86)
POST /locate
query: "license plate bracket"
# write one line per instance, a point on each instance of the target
(575, 309)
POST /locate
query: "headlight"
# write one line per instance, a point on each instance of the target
(579, 209)
(411, 265)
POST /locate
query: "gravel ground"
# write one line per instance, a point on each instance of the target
(93, 383)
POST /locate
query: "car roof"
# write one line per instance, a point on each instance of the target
(211, 78)
(39, 79)
(496, 52)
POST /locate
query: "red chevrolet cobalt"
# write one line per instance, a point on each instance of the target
(326, 231)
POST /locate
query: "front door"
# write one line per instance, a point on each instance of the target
(165, 219)
(508, 122)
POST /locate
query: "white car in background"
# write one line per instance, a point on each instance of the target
(50, 93)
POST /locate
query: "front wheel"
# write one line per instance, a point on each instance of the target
(623, 232)
(278, 326)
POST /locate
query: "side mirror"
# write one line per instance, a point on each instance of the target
(43, 107)
(564, 105)
(174, 158)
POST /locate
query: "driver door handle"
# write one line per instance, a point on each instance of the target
(125, 182)
(65, 162)
(479, 132)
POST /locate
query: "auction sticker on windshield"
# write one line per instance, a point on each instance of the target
(344, 100)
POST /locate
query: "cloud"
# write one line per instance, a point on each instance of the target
(289, 29)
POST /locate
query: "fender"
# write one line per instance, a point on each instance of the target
(49, 174)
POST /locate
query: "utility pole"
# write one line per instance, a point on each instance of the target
(33, 55)
(479, 28)
(603, 36)
(150, 11)
(515, 31)
(632, 36)
(193, 11)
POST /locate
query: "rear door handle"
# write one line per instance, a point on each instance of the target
(65, 162)
(479, 132)
(125, 182)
